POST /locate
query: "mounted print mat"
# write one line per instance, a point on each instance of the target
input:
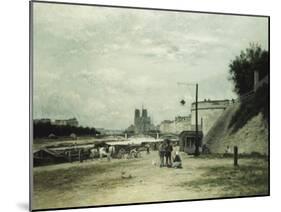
(138, 105)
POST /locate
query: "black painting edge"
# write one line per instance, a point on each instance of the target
(149, 203)
(146, 8)
(31, 103)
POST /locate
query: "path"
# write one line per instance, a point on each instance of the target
(100, 182)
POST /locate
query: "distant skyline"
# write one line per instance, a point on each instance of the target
(100, 64)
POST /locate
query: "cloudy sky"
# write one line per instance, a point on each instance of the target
(99, 64)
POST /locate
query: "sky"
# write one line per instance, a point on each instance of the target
(99, 64)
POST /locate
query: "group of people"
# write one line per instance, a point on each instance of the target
(166, 158)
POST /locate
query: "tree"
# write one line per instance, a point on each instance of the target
(242, 68)
(42, 130)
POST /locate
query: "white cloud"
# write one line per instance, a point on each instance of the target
(98, 64)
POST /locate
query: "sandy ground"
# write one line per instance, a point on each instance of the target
(101, 182)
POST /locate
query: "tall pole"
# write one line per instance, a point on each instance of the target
(201, 124)
(196, 123)
(197, 141)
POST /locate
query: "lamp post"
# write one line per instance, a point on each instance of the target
(196, 153)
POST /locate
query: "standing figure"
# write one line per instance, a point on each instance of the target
(107, 153)
(162, 154)
(227, 150)
(147, 148)
(176, 149)
(168, 154)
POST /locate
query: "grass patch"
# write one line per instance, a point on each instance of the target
(244, 180)
(252, 155)
(65, 178)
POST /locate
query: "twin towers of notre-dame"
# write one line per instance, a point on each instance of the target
(142, 122)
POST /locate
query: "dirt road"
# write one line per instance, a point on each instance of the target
(138, 180)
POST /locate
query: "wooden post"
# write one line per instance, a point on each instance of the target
(80, 156)
(69, 156)
(235, 156)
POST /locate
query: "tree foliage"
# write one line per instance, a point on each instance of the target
(242, 68)
(42, 130)
(258, 103)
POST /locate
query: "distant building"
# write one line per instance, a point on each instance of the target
(60, 122)
(142, 123)
(67, 122)
(187, 141)
(181, 123)
(167, 126)
(104, 131)
(113, 132)
(42, 121)
(131, 128)
(101, 131)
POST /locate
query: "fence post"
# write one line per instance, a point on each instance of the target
(69, 156)
(235, 156)
(80, 156)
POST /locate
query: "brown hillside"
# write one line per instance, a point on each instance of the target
(251, 136)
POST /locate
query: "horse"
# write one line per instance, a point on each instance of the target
(107, 151)
(94, 153)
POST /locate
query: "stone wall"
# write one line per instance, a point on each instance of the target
(209, 111)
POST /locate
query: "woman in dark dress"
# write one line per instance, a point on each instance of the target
(177, 161)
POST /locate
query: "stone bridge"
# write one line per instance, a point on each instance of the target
(156, 135)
